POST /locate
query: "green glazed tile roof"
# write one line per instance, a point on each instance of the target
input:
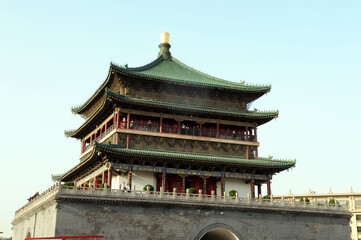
(175, 71)
(192, 108)
(260, 162)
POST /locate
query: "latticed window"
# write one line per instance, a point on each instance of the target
(358, 229)
(358, 217)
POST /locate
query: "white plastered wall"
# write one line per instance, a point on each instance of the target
(117, 180)
(239, 185)
(140, 179)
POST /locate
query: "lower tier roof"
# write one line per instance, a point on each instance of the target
(265, 163)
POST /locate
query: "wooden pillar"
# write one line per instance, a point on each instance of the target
(252, 188)
(110, 177)
(96, 181)
(247, 134)
(164, 181)
(127, 143)
(217, 130)
(161, 124)
(256, 153)
(91, 139)
(183, 183)
(222, 186)
(204, 185)
(179, 127)
(128, 120)
(247, 152)
(103, 177)
(259, 188)
(82, 146)
(101, 132)
(255, 134)
(114, 120)
(129, 178)
(269, 187)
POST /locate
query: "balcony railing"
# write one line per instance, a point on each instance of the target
(186, 131)
(174, 196)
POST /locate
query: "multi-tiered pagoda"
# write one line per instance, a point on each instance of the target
(173, 127)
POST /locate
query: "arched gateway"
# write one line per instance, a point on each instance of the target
(219, 234)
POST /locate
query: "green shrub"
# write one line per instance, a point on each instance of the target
(68, 184)
(151, 188)
(332, 201)
(102, 185)
(266, 197)
(232, 193)
(192, 190)
(306, 199)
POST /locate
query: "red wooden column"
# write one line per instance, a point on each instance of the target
(110, 177)
(161, 124)
(269, 187)
(222, 186)
(114, 120)
(129, 178)
(127, 143)
(82, 146)
(103, 177)
(128, 121)
(252, 188)
(247, 152)
(183, 183)
(96, 181)
(247, 134)
(259, 188)
(164, 181)
(255, 134)
(217, 130)
(179, 127)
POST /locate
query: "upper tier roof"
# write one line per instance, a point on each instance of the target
(174, 71)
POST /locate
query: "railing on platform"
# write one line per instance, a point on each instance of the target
(199, 198)
(174, 196)
(65, 237)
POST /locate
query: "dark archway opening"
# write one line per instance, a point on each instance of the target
(219, 234)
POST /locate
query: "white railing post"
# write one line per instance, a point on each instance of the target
(249, 197)
(105, 189)
(200, 195)
(148, 191)
(283, 200)
(161, 192)
(271, 200)
(212, 195)
(134, 192)
(187, 193)
(237, 198)
(224, 196)
(174, 192)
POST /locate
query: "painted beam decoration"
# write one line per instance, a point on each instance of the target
(201, 173)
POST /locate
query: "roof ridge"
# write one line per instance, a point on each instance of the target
(140, 68)
(215, 78)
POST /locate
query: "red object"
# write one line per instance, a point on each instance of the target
(63, 238)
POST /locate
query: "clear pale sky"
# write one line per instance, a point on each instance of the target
(54, 55)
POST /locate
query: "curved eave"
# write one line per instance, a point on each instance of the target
(77, 133)
(100, 90)
(130, 72)
(79, 166)
(186, 156)
(261, 117)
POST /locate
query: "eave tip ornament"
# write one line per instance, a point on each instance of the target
(164, 46)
